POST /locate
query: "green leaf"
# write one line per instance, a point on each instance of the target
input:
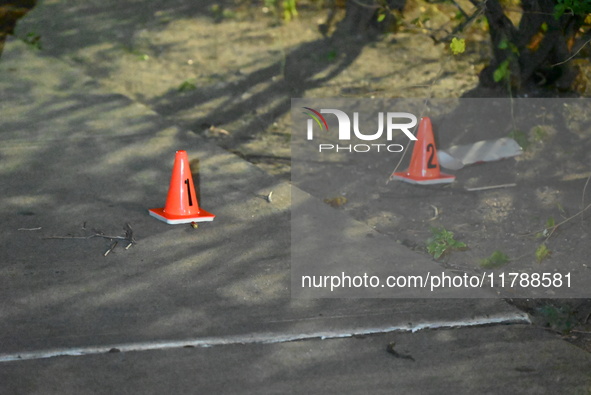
(502, 72)
(550, 223)
(381, 17)
(33, 39)
(458, 45)
(496, 260)
(544, 27)
(188, 85)
(559, 10)
(542, 252)
(573, 7)
(442, 242)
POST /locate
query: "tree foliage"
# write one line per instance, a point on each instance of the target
(531, 54)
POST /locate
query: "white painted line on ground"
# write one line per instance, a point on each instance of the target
(261, 338)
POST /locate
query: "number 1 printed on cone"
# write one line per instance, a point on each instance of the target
(181, 203)
(424, 166)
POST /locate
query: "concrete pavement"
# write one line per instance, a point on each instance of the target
(78, 161)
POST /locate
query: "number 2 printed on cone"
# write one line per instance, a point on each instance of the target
(424, 165)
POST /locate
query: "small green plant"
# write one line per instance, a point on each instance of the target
(544, 27)
(457, 45)
(542, 252)
(442, 242)
(549, 229)
(33, 40)
(187, 85)
(573, 7)
(502, 72)
(496, 260)
(550, 226)
(289, 10)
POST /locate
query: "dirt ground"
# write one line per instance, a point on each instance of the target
(228, 70)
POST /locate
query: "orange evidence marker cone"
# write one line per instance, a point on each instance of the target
(424, 166)
(181, 204)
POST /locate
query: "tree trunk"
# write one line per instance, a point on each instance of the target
(535, 51)
(10, 13)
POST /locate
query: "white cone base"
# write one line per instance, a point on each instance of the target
(442, 179)
(159, 213)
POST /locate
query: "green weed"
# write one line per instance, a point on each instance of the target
(542, 252)
(502, 72)
(33, 40)
(496, 260)
(574, 7)
(442, 242)
(187, 85)
(549, 229)
(457, 45)
(289, 9)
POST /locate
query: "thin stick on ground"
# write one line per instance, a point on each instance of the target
(128, 237)
(573, 55)
(490, 187)
(560, 223)
(111, 248)
(583, 196)
(88, 237)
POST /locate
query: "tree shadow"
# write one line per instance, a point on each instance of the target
(261, 97)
